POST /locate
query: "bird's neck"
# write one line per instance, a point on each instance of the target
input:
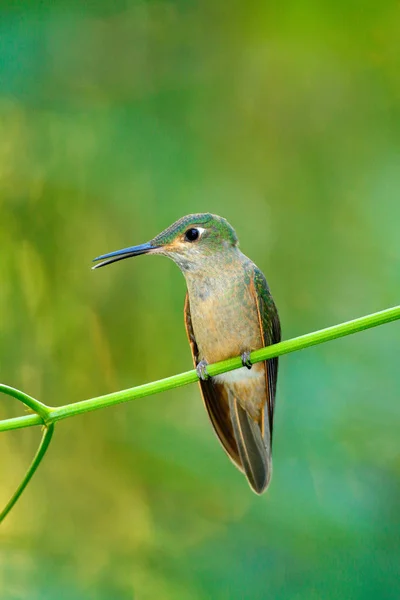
(217, 274)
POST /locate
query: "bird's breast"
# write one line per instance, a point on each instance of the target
(225, 320)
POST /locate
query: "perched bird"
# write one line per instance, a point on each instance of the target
(229, 311)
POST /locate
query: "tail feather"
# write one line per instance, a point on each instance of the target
(254, 455)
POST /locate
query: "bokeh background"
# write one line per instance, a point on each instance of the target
(117, 118)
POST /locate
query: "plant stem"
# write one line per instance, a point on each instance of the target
(38, 407)
(44, 444)
(20, 422)
(298, 343)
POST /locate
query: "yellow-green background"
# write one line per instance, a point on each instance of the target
(116, 118)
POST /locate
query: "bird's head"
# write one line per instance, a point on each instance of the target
(189, 242)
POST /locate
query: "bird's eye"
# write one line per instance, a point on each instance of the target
(192, 235)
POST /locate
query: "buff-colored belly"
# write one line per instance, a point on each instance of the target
(224, 328)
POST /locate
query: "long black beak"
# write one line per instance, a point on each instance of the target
(111, 257)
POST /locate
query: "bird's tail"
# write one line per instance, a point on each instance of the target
(254, 455)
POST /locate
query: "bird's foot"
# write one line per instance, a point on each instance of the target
(246, 362)
(201, 370)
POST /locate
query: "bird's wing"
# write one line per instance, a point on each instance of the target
(215, 399)
(254, 437)
(271, 334)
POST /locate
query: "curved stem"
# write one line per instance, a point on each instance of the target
(38, 407)
(44, 444)
(49, 415)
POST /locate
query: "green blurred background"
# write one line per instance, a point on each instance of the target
(117, 118)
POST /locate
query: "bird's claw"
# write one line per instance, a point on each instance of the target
(201, 370)
(246, 362)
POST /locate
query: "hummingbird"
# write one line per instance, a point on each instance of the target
(229, 311)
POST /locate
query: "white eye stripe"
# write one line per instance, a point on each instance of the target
(201, 230)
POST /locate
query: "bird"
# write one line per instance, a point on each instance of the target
(229, 311)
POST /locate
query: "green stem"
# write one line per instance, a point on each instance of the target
(44, 444)
(38, 407)
(49, 415)
(303, 341)
(20, 422)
